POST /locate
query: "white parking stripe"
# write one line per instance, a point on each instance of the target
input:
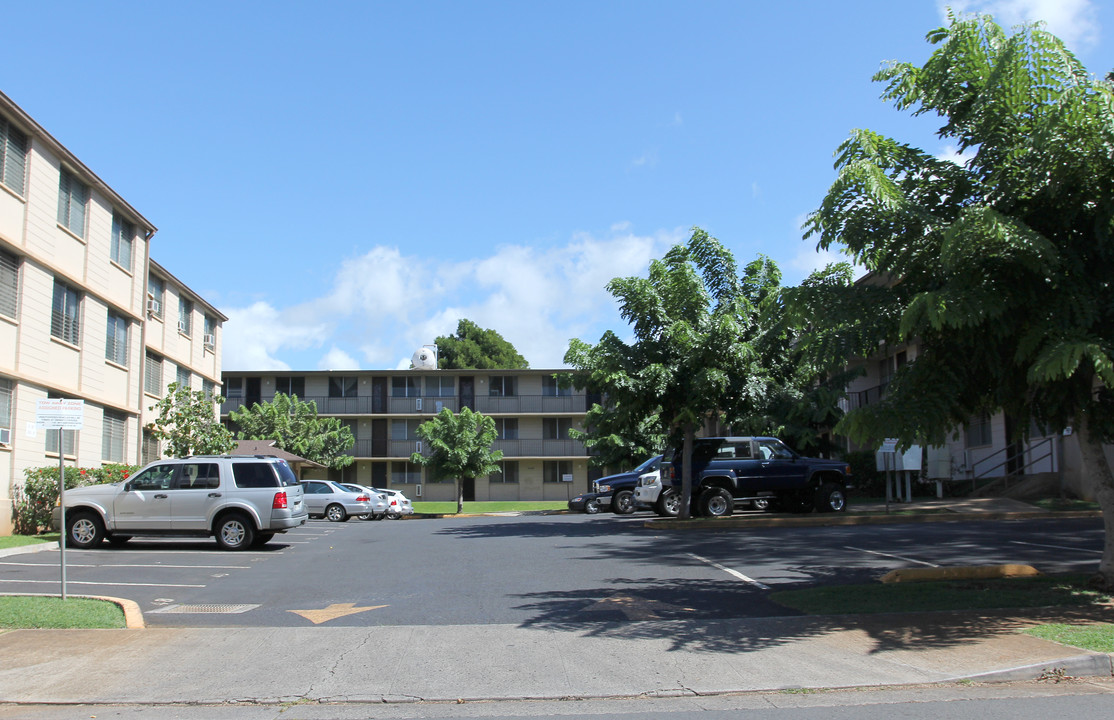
(129, 565)
(1058, 547)
(729, 571)
(896, 557)
(103, 584)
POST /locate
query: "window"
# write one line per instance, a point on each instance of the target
(122, 234)
(440, 386)
(150, 450)
(254, 475)
(507, 428)
(509, 472)
(978, 432)
(157, 292)
(291, 386)
(556, 428)
(405, 386)
(210, 337)
(158, 477)
(200, 476)
(5, 403)
(114, 431)
(552, 388)
(185, 316)
(405, 429)
(152, 375)
(116, 339)
(342, 386)
(207, 387)
(554, 470)
(234, 388)
(9, 284)
(405, 472)
(64, 316)
(72, 197)
(13, 156)
(503, 386)
(184, 377)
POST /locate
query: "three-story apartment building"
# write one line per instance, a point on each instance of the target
(80, 305)
(532, 411)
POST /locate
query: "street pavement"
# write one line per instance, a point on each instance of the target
(655, 658)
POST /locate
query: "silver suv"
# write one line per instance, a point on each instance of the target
(241, 500)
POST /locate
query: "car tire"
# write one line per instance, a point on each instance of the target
(761, 504)
(84, 529)
(235, 531)
(591, 507)
(716, 502)
(830, 498)
(336, 513)
(117, 540)
(669, 503)
(622, 502)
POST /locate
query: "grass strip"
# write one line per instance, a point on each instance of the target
(930, 596)
(1098, 637)
(36, 611)
(11, 541)
(448, 508)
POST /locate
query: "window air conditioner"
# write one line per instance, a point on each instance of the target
(418, 491)
(5, 436)
(418, 446)
(418, 403)
(210, 339)
(181, 326)
(153, 306)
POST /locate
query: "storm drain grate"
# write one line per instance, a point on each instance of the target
(205, 609)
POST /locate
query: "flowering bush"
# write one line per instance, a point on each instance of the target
(33, 501)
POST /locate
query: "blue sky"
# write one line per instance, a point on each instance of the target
(345, 180)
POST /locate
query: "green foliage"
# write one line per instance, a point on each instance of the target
(615, 438)
(296, 428)
(187, 422)
(34, 500)
(458, 447)
(474, 347)
(868, 479)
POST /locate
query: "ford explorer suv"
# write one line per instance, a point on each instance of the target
(242, 501)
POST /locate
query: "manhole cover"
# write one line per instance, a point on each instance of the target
(201, 609)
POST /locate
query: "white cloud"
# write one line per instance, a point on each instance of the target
(952, 153)
(337, 359)
(1073, 21)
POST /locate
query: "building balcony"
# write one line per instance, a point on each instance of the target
(528, 447)
(485, 404)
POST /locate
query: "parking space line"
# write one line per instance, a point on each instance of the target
(133, 565)
(104, 584)
(1057, 547)
(729, 571)
(901, 557)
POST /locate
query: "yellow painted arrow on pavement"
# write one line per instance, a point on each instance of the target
(333, 612)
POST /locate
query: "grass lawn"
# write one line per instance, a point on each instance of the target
(448, 508)
(1069, 590)
(26, 611)
(1098, 637)
(11, 541)
(1058, 504)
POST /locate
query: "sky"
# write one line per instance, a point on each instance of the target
(346, 180)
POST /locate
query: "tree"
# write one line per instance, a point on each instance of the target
(616, 438)
(459, 447)
(473, 347)
(295, 427)
(1000, 268)
(689, 360)
(187, 421)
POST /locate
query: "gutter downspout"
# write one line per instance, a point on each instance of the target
(143, 345)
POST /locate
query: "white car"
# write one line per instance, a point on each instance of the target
(333, 501)
(398, 504)
(378, 501)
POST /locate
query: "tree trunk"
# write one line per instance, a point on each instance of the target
(459, 496)
(1095, 467)
(686, 472)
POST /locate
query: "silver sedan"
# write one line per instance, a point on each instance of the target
(333, 501)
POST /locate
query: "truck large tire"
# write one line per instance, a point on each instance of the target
(622, 502)
(715, 502)
(830, 498)
(669, 503)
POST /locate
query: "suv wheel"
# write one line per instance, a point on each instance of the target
(84, 530)
(622, 502)
(716, 502)
(669, 503)
(830, 498)
(336, 513)
(235, 532)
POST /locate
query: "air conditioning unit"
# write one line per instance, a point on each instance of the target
(153, 306)
(210, 339)
(181, 326)
(417, 403)
(5, 436)
(418, 491)
(418, 446)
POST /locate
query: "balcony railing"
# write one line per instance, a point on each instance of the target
(862, 398)
(486, 404)
(529, 447)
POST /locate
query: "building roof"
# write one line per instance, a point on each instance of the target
(267, 447)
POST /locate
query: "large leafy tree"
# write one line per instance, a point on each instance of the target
(1000, 267)
(617, 438)
(689, 359)
(187, 422)
(295, 427)
(458, 447)
(474, 347)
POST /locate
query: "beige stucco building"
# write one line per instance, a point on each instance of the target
(84, 312)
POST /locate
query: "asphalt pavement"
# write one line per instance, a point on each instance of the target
(663, 658)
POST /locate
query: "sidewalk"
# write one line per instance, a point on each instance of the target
(478, 662)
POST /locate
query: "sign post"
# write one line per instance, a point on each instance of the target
(61, 414)
(889, 447)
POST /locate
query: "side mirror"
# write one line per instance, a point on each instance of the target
(128, 486)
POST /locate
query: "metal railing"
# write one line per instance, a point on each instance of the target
(486, 404)
(529, 447)
(1021, 460)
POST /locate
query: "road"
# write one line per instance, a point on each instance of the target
(556, 571)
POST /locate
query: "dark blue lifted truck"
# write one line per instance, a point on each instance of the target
(730, 470)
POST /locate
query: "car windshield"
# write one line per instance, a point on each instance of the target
(649, 465)
(775, 449)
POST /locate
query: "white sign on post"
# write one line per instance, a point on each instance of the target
(62, 413)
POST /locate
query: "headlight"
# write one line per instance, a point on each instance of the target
(605, 488)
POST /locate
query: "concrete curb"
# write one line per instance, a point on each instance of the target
(831, 519)
(133, 616)
(1090, 665)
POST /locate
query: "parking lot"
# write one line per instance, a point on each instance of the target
(558, 571)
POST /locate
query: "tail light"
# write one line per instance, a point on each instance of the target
(394, 502)
(279, 502)
(363, 498)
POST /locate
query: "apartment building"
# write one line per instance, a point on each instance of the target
(82, 312)
(384, 408)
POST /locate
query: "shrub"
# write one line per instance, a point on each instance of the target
(33, 501)
(868, 480)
